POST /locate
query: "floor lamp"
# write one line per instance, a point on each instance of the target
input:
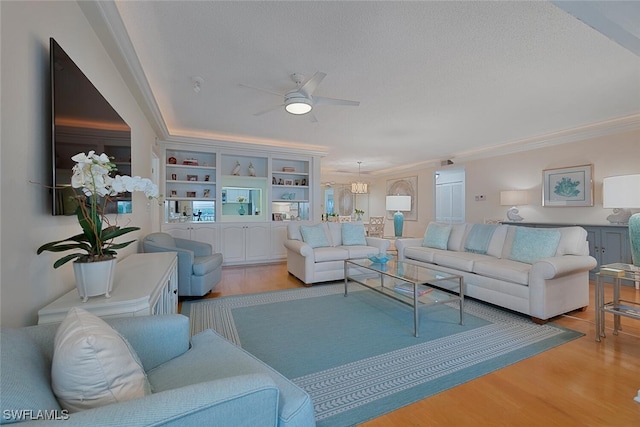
(623, 192)
(398, 204)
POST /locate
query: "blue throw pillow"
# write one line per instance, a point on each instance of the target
(353, 234)
(531, 244)
(314, 235)
(437, 236)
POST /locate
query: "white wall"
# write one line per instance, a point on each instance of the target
(617, 154)
(28, 281)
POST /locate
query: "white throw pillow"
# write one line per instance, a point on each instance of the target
(93, 365)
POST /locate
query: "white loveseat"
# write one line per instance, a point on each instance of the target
(316, 251)
(539, 272)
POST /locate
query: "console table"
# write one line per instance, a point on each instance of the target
(617, 306)
(145, 284)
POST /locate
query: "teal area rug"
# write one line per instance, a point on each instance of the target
(357, 356)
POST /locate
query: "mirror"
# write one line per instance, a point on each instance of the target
(190, 211)
(242, 202)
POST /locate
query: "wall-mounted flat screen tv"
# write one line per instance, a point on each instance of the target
(82, 120)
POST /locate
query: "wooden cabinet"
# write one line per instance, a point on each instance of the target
(145, 284)
(242, 243)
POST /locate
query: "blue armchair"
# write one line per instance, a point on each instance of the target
(210, 382)
(199, 269)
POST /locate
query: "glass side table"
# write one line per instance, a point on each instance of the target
(617, 306)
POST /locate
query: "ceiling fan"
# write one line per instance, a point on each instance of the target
(301, 100)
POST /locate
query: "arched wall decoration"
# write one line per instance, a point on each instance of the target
(345, 201)
(405, 187)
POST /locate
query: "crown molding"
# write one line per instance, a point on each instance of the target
(107, 23)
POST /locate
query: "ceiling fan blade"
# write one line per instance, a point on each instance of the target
(261, 90)
(268, 110)
(319, 100)
(310, 85)
(312, 117)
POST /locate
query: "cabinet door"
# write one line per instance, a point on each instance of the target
(278, 237)
(207, 234)
(614, 246)
(181, 231)
(232, 241)
(257, 242)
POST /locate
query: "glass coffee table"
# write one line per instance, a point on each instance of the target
(408, 283)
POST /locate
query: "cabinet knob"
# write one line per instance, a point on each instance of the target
(602, 249)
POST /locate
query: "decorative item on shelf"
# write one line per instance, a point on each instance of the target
(174, 193)
(359, 213)
(236, 169)
(304, 181)
(174, 177)
(172, 160)
(252, 170)
(191, 194)
(241, 210)
(288, 182)
(514, 198)
(359, 187)
(207, 178)
(241, 199)
(288, 169)
(94, 266)
(192, 177)
(190, 162)
(274, 181)
(398, 203)
(206, 193)
(623, 192)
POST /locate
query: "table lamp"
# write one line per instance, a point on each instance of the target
(398, 203)
(514, 198)
(623, 192)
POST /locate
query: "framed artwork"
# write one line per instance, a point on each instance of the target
(192, 177)
(568, 187)
(405, 187)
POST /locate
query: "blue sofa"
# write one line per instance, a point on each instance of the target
(202, 381)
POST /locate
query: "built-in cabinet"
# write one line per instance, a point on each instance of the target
(238, 201)
(246, 243)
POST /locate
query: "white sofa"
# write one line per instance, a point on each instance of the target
(539, 272)
(323, 260)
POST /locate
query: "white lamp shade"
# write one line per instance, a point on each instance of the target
(359, 188)
(398, 203)
(514, 198)
(621, 192)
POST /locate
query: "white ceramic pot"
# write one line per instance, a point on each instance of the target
(94, 278)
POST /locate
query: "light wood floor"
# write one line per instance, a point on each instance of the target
(581, 383)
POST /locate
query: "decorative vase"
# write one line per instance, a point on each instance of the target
(241, 210)
(94, 278)
(398, 220)
(634, 237)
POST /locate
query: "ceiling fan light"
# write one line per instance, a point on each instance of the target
(297, 105)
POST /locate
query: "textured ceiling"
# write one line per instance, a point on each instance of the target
(435, 80)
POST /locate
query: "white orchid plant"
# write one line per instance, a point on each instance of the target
(92, 174)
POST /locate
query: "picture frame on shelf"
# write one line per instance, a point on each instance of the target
(174, 176)
(172, 160)
(277, 216)
(173, 193)
(191, 194)
(568, 186)
(288, 182)
(192, 177)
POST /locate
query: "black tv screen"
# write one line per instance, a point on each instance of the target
(82, 120)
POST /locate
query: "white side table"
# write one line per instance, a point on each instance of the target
(145, 284)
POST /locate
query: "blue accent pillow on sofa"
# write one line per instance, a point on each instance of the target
(353, 234)
(531, 244)
(437, 236)
(314, 236)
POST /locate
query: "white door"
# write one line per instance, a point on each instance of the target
(449, 196)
